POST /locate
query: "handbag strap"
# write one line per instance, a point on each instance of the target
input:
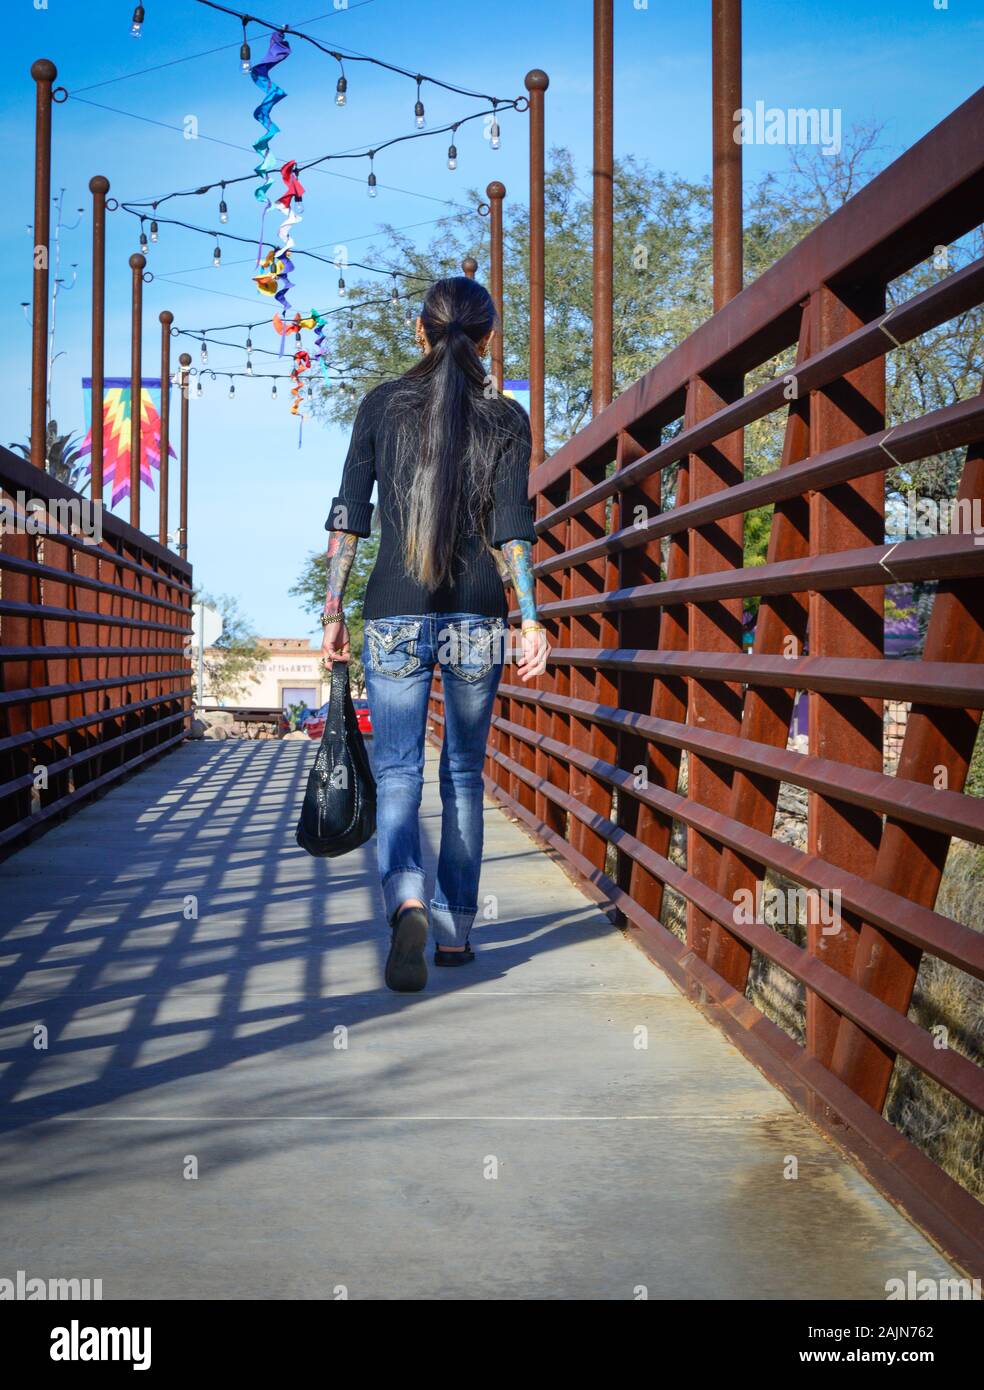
(338, 697)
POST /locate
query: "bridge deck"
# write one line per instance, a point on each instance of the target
(366, 1166)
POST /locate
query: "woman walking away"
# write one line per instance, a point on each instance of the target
(450, 459)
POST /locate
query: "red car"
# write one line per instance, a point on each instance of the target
(316, 727)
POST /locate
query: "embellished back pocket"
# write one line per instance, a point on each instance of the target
(393, 646)
(470, 647)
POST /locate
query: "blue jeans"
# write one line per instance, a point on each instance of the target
(399, 657)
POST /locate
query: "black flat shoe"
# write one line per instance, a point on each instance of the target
(406, 969)
(444, 957)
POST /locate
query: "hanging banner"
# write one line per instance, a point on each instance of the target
(116, 433)
(518, 391)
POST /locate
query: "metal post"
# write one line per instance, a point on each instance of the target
(537, 83)
(726, 100)
(602, 210)
(44, 73)
(166, 318)
(99, 187)
(469, 266)
(496, 191)
(185, 361)
(137, 264)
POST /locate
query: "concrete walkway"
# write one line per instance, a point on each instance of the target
(500, 1136)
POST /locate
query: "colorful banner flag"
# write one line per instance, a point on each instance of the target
(519, 391)
(116, 433)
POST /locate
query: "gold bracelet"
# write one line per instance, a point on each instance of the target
(328, 618)
(532, 625)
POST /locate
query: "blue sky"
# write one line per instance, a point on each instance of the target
(258, 501)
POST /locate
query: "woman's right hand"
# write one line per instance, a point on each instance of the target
(335, 643)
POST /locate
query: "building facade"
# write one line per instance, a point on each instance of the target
(291, 674)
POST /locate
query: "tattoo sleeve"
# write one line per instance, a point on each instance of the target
(517, 557)
(340, 556)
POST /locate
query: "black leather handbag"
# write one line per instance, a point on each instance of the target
(339, 809)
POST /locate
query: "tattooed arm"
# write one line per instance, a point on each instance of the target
(535, 647)
(339, 560)
(517, 557)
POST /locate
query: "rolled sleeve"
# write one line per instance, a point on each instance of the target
(513, 522)
(349, 514)
(512, 511)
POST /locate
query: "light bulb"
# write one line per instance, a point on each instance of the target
(204, 353)
(153, 231)
(244, 57)
(452, 156)
(199, 388)
(223, 211)
(143, 242)
(217, 255)
(341, 87)
(273, 391)
(232, 388)
(395, 294)
(372, 184)
(341, 286)
(494, 136)
(138, 19)
(249, 367)
(418, 114)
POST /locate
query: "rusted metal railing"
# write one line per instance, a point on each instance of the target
(95, 615)
(643, 593)
(99, 681)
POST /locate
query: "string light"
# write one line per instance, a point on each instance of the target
(495, 139)
(273, 391)
(143, 238)
(232, 389)
(217, 256)
(204, 352)
(244, 54)
(372, 177)
(134, 207)
(341, 286)
(153, 231)
(394, 292)
(341, 88)
(418, 109)
(453, 150)
(137, 25)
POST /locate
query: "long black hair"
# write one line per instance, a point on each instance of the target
(452, 426)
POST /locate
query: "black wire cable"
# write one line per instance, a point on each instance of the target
(349, 57)
(369, 154)
(277, 248)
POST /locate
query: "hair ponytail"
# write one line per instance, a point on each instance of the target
(450, 431)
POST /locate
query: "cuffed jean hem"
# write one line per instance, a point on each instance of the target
(451, 925)
(401, 885)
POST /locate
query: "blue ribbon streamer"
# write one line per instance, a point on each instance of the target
(279, 50)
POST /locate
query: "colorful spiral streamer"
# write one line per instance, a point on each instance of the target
(278, 50)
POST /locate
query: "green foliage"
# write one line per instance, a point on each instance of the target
(241, 655)
(310, 589)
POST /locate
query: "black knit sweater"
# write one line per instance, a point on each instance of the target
(474, 585)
